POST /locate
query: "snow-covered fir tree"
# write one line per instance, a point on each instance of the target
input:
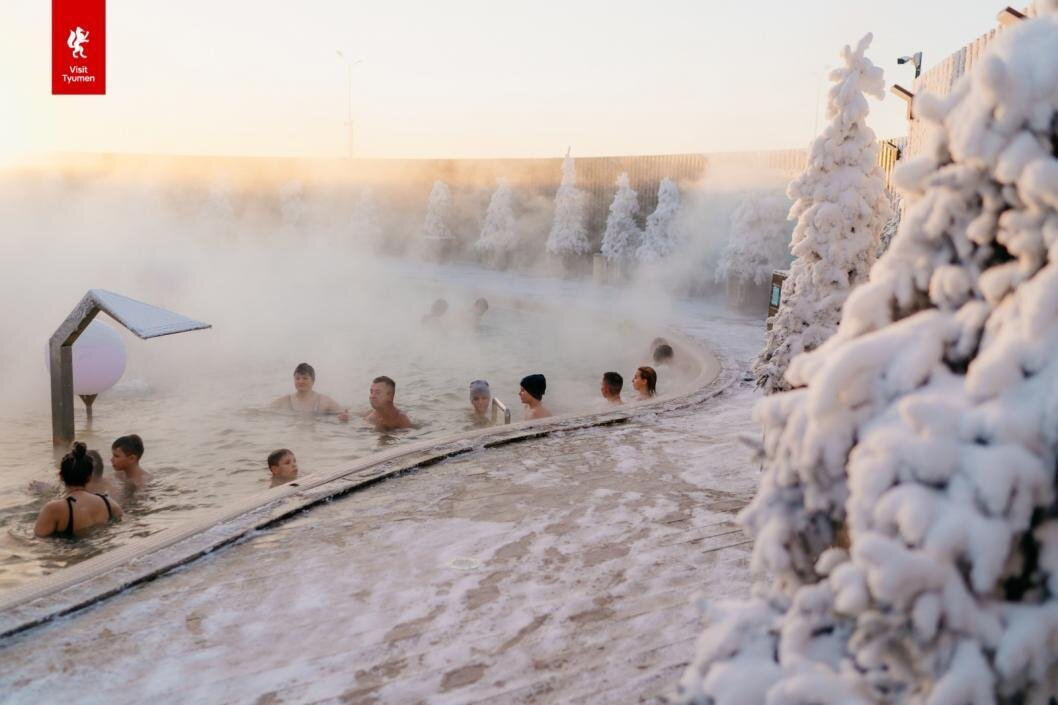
(622, 235)
(498, 235)
(759, 240)
(841, 206)
(907, 510)
(569, 230)
(366, 222)
(438, 209)
(661, 236)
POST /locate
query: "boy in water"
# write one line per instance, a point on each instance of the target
(436, 312)
(384, 414)
(306, 401)
(531, 393)
(283, 466)
(612, 383)
(125, 454)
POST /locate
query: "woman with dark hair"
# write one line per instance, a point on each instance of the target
(80, 509)
(645, 381)
(306, 401)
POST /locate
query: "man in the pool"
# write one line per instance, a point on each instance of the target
(611, 386)
(384, 414)
(531, 393)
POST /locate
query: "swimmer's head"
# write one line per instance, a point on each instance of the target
(382, 392)
(481, 306)
(480, 396)
(645, 381)
(75, 468)
(663, 354)
(532, 386)
(612, 383)
(439, 307)
(282, 464)
(304, 377)
(126, 452)
(97, 464)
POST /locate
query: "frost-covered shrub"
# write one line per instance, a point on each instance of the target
(569, 231)
(840, 205)
(759, 241)
(907, 511)
(622, 234)
(661, 236)
(498, 235)
(438, 210)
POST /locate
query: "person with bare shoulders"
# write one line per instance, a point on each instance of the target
(437, 310)
(612, 383)
(306, 401)
(283, 466)
(125, 454)
(80, 509)
(384, 414)
(531, 393)
(645, 382)
(480, 402)
(476, 313)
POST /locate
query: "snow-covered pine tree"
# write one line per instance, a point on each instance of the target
(758, 243)
(366, 223)
(622, 234)
(661, 236)
(907, 508)
(569, 231)
(498, 234)
(438, 208)
(841, 206)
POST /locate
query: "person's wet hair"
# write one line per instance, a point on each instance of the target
(663, 353)
(131, 444)
(383, 379)
(481, 305)
(75, 468)
(305, 368)
(651, 378)
(276, 456)
(97, 464)
(614, 382)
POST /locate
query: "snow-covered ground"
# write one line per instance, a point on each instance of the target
(561, 569)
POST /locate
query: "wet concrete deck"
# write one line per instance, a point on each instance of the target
(558, 569)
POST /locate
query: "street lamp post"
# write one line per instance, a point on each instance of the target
(349, 64)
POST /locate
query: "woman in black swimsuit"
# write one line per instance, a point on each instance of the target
(80, 509)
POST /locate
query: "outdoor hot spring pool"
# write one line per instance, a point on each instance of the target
(199, 399)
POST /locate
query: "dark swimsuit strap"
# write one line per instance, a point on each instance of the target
(110, 514)
(68, 531)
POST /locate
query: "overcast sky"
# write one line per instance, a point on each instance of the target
(462, 78)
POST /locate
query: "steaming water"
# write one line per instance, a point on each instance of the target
(275, 297)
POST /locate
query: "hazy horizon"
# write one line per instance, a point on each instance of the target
(464, 80)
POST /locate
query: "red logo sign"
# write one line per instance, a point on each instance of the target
(78, 47)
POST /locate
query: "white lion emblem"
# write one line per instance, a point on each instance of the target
(78, 37)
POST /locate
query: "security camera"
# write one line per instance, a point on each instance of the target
(915, 60)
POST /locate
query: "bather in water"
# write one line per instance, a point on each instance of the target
(306, 401)
(531, 393)
(80, 510)
(480, 402)
(384, 414)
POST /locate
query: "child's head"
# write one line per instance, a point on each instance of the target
(97, 464)
(125, 452)
(282, 464)
(75, 469)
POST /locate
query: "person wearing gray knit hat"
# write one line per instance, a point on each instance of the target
(531, 393)
(480, 398)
